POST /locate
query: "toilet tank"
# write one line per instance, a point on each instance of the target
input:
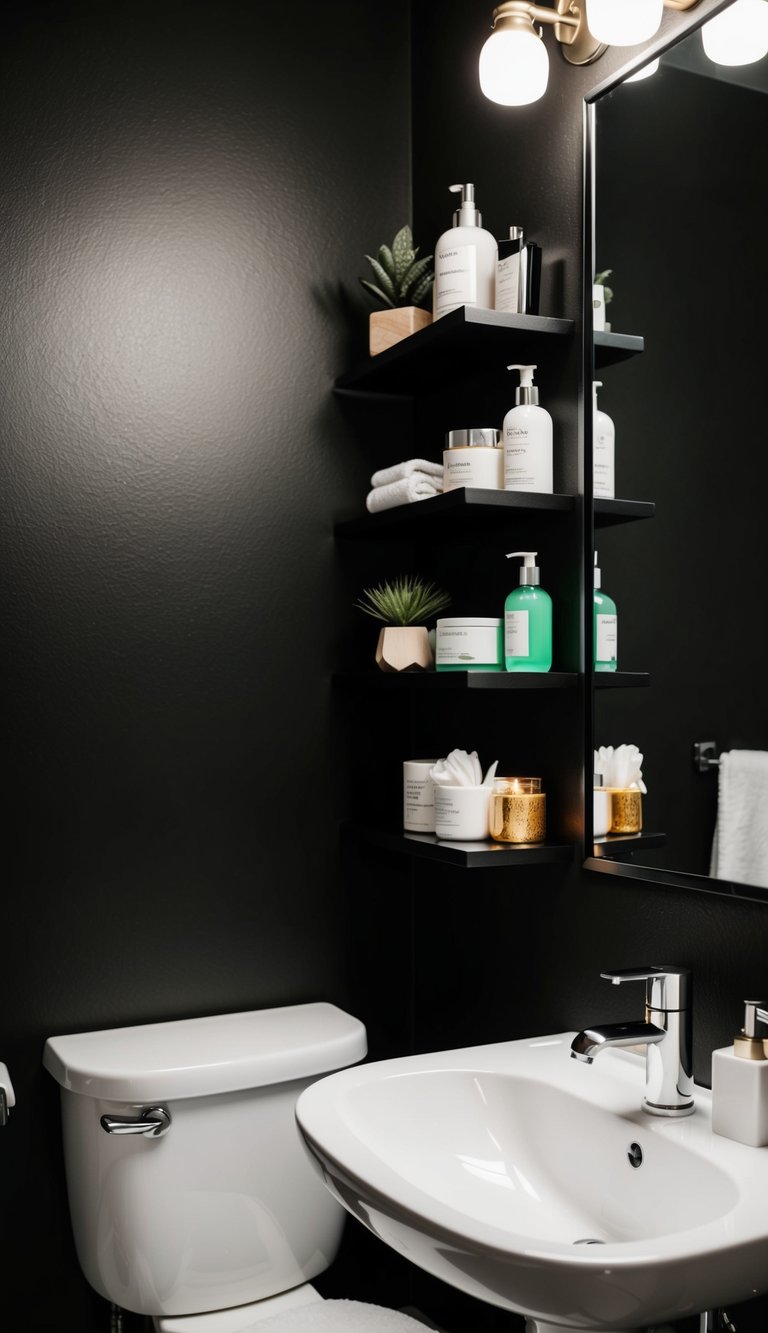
(224, 1207)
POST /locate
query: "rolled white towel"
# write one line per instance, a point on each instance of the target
(416, 487)
(386, 475)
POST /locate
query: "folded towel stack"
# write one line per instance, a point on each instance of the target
(416, 479)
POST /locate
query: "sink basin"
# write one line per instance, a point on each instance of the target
(536, 1183)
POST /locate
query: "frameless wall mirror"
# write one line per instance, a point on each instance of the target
(679, 202)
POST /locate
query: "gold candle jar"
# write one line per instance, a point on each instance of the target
(518, 810)
(626, 809)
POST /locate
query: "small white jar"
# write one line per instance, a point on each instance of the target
(469, 643)
(601, 807)
(473, 457)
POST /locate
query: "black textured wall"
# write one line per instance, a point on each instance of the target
(188, 191)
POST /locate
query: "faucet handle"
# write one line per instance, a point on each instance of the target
(667, 988)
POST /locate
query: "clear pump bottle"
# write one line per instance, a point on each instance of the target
(605, 627)
(528, 620)
(465, 260)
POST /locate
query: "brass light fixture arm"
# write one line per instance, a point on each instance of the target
(568, 19)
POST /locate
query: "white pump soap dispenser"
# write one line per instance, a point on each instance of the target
(527, 439)
(740, 1083)
(465, 260)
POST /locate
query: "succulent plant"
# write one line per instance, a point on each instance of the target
(401, 278)
(404, 601)
(601, 280)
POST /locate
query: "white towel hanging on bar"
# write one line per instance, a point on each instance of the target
(740, 844)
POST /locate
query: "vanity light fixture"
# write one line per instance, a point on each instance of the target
(514, 65)
(738, 35)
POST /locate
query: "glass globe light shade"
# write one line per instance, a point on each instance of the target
(624, 22)
(739, 35)
(514, 67)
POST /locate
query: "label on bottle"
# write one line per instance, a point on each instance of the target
(516, 636)
(527, 461)
(455, 277)
(508, 284)
(606, 638)
(474, 465)
(603, 457)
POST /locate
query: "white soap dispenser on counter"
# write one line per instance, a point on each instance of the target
(740, 1083)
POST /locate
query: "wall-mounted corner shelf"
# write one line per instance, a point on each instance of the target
(620, 680)
(608, 512)
(465, 855)
(616, 845)
(613, 347)
(463, 343)
(468, 506)
(433, 681)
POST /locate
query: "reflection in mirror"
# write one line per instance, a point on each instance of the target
(681, 200)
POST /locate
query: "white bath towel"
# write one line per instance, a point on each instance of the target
(336, 1316)
(416, 487)
(740, 844)
(386, 475)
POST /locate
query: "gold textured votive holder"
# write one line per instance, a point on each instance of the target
(518, 810)
(626, 810)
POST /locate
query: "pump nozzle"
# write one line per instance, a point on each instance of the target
(467, 215)
(529, 570)
(527, 392)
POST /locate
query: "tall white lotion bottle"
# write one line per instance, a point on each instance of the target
(465, 260)
(527, 439)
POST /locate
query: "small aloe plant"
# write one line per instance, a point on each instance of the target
(601, 280)
(401, 278)
(404, 601)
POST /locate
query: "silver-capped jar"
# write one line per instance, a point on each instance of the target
(473, 457)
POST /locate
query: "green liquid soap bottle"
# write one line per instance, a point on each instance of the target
(605, 627)
(528, 620)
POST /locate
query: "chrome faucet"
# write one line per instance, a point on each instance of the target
(666, 1033)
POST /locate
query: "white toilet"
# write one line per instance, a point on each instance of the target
(192, 1196)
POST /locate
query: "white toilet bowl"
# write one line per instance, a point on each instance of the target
(192, 1196)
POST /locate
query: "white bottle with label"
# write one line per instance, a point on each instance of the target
(603, 450)
(740, 1083)
(465, 260)
(527, 437)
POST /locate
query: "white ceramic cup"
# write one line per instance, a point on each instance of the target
(462, 812)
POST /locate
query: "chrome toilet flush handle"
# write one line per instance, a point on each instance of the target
(153, 1121)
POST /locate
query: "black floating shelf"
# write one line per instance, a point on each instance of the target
(615, 845)
(467, 505)
(613, 347)
(457, 680)
(465, 342)
(467, 855)
(621, 511)
(620, 680)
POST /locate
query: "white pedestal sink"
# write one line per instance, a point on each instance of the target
(536, 1183)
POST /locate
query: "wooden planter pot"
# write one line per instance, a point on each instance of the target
(387, 327)
(404, 648)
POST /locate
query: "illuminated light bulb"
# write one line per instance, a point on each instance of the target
(514, 66)
(624, 22)
(645, 72)
(739, 35)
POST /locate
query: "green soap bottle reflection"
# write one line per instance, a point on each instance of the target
(528, 620)
(605, 628)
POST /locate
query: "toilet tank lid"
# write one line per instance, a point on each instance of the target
(197, 1057)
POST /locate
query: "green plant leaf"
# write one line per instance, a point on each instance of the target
(377, 293)
(403, 252)
(385, 282)
(404, 601)
(386, 259)
(422, 290)
(414, 276)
